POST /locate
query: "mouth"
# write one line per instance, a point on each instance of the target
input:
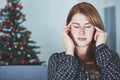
(81, 39)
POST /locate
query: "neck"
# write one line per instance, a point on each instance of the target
(82, 52)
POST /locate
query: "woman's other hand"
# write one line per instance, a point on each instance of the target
(68, 42)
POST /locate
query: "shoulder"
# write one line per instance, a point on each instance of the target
(56, 56)
(104, 51)
(102, 47)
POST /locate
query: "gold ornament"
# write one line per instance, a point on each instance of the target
(9, 36)
(21, 48)
(11, 27)
(28, 55)
(9, 49)
(15, 46)
(13, 33)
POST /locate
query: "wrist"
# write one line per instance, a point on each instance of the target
(69, 52)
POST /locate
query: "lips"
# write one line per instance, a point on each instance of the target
(81, 39)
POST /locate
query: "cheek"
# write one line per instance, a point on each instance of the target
(90, 33)
(73, 32)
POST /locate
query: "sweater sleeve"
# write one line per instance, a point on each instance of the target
(61, 67)
(109, 63)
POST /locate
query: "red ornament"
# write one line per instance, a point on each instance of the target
(22, 61)
(1, 57)
(8, 1)
(19, 6)
(28, 36)
(17, 15)
(4, 36)
(17, 29)
(5, 26)
(24, 43)
(12, 8)
(11, 57)
(0, 12)
(7, 43)
(8, 20)
(1, 28)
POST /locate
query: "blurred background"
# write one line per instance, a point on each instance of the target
(46, 18)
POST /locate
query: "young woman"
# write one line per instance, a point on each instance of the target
(87, 57)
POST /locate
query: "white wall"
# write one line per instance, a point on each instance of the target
(109, 3)
(118, 25)
(46, 18)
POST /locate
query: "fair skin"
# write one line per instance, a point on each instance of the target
(82, 33)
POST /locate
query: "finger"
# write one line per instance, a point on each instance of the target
(95, 36)
(65, 30)
(98, 29)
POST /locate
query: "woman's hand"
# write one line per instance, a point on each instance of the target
(100, 37)
(68, 42)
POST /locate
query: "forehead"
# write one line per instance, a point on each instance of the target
(80, 18)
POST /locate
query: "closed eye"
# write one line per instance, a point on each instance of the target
(75, 26)
(88, 26)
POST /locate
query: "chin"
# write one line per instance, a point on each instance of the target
(82, 44)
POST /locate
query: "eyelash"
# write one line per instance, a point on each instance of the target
(85, 26)
(76, 26)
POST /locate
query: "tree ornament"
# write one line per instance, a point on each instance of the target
(36, 60)
(8, 20)
(13, 33)
(7, 43)
(1, 28)
(1, 57)
(17, 15)
(22, 61)
(0, 13)
(12, 8)
(9, 48)
(15, 46)
(19, 6)
(21, 48)
(17, 29)
(4, 36)
(28, 55)
(5, 26)
(28, 36)
(8, 1)
(24, 43)
(11, 57)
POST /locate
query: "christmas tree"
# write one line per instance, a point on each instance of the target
(16, 46)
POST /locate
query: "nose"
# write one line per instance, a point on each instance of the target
(82, 31)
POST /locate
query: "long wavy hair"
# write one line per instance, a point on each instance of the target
(93, 16)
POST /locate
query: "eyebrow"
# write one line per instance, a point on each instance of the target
(79, 24)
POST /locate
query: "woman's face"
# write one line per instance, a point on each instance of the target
(82, 30)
